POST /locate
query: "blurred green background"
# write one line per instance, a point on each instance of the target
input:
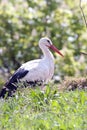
(24, 22)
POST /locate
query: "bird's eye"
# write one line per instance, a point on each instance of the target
(48, 41)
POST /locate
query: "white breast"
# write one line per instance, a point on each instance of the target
(42, 69)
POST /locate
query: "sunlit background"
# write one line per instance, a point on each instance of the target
(24, 22)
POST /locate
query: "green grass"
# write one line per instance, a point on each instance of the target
(49, 110)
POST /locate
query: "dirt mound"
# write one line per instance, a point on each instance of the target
(74, 83)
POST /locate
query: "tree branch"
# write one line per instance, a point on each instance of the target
(82, 13)
(83, 53)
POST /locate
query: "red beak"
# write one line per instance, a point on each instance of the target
(56, 50)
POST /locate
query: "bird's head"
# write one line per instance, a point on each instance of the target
(46, 42)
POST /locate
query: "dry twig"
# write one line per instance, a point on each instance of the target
(83, 53)
(83, 13)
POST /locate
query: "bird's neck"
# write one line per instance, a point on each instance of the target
(47, 54)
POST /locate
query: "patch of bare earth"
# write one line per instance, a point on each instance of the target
(73, 84)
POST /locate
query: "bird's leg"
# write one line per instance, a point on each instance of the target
(43, 87)
(41, 84)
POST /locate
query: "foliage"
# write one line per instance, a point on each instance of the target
(70, 65)
(23, 23)
(49, 110)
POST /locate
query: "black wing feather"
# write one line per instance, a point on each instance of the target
(20, 73)
(10, 87)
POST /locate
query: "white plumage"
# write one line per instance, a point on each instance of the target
(41, 69)
(35, 70)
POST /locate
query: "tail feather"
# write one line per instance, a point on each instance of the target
(10, 87)
(8, 90)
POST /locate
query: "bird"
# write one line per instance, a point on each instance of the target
(34, 72)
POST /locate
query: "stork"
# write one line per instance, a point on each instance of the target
(38, 71)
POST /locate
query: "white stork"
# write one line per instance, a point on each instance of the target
(33, 72)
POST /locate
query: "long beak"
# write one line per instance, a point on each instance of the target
(56, 50)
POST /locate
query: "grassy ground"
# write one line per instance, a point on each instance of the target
(49, 110)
